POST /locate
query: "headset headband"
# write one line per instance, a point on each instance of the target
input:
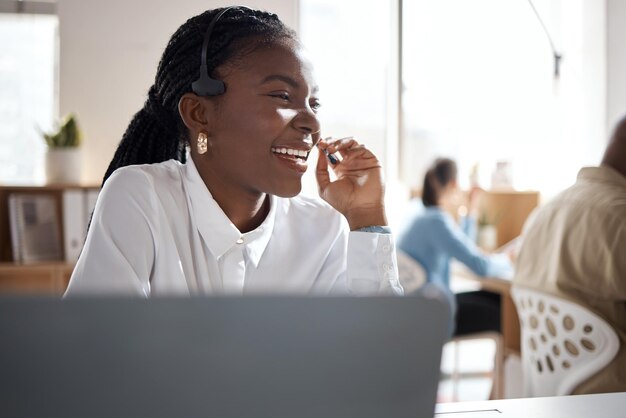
(205, 85)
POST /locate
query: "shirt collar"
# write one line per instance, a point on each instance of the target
(256, 241)
(216, 229)
(603, 173)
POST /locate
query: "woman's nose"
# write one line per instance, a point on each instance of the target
(307, 121)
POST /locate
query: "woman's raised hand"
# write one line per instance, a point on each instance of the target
(359, 190)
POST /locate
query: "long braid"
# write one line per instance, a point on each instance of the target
(157, 133)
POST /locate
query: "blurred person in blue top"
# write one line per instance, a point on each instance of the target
(432, 237)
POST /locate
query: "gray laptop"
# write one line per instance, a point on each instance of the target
(262, 357)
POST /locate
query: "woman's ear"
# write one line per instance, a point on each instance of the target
(194, 111)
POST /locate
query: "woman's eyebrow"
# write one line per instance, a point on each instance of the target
(286, 79)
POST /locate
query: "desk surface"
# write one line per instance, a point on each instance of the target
(605, 405)
(461, 273)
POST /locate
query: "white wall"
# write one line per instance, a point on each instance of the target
(616, 62)
(110, 51)
(109, 54)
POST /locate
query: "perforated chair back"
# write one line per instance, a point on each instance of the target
(563, 343)
(411, 273)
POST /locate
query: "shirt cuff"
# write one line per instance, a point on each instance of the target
(372, 265)
(376, 229)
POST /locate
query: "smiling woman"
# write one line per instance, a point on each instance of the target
(270, 103)
(229, 219)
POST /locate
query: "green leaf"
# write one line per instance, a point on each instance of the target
(66, 134)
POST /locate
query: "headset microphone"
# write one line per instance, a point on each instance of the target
(205, 85)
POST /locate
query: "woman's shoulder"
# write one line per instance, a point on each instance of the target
(148, 172)
(143, 179)
(432, 218)
(430, 213)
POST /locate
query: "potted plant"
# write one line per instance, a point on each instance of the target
(487, 238)
(63, 162)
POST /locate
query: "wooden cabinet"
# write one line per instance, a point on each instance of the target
(49, 277)
(509, 209)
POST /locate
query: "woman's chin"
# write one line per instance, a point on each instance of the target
(287, 192)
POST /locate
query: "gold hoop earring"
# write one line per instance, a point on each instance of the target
(202, 143)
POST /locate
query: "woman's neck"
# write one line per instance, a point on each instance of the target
(245, 209)
(446, 202)
(246, 213)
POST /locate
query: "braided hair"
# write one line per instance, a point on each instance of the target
(439, 175)
(157, 133)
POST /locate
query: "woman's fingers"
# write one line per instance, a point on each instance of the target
(321, 170)
(358, 189)
(342, 145)
(357, 156)
(356, 162)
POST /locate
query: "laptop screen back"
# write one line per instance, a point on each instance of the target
(221, 357)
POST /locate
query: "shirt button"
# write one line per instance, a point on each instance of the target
(386, 248)
(239, 241)
(388, 267)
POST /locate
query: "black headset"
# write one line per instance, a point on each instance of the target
(205, 85)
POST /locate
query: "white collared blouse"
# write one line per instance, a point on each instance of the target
(156, 230)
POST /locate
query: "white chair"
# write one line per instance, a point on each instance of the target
(563, 343)
(411, 273)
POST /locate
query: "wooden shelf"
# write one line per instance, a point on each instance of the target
(41, 278)
(45, 278)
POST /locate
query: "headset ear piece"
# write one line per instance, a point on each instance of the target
(207, 86)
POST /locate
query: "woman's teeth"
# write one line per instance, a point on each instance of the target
(290, 151)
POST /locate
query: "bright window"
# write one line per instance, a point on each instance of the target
(28, 93)
(349, 44)
(478, 84)
(480, 87)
